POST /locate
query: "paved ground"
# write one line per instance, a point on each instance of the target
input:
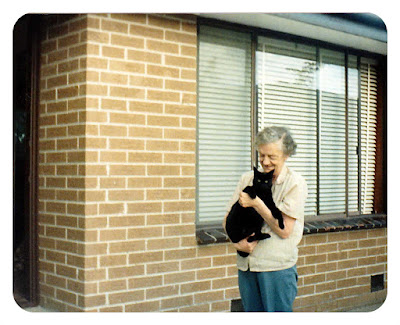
(368, 308)
(38, 309)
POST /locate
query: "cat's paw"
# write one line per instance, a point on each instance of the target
(281, 224)
(243, 254)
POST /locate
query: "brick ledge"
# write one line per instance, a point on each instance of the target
(215, 234)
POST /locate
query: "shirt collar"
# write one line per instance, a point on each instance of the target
(282, 175)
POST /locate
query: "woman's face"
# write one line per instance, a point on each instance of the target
(272, 157)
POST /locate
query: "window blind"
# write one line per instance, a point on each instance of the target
(332, 163)
(323, 125)
(353, 156)
(286, 96)
(328, 99)
(224, 118)
(368, 133)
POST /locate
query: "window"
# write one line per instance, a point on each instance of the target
(286, 96)
(224, 118)
(328, 99)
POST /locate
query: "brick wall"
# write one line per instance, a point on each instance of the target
(117, 179)
(62, 158)
(335, 269)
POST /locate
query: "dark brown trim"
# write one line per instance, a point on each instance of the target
(34, 161)
(346, 96)
(27, 36)
(380, 195)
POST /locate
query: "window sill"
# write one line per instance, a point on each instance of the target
(210, 234)
(345, 224)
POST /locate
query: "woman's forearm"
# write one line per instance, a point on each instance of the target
(266, 214)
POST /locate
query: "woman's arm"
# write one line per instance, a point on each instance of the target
(245, 246)
(246, 201)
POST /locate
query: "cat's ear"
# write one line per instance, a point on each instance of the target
(255, 170)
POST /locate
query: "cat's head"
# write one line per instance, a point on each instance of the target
(262, 180)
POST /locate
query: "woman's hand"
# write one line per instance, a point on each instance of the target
(245, 246)
(247, 202)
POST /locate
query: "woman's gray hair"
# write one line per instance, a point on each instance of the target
(275, 133)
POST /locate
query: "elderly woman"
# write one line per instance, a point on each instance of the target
(268, 276)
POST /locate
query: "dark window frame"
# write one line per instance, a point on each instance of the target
(31, 295)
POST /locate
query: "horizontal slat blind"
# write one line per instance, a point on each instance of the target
(368, 133)
(332, 177)
(286, 96)
(353, 135)
(224, 118)
(291, 92)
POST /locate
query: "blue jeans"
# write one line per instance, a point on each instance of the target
(268, 291)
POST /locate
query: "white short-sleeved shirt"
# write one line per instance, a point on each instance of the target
(289, 192)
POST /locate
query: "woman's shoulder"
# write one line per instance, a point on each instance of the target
(295, 177)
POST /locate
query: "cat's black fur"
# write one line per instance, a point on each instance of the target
(242, 222)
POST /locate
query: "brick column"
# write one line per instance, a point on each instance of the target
(117, 160)
(63, 156)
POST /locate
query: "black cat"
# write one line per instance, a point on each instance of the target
(242, 222)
